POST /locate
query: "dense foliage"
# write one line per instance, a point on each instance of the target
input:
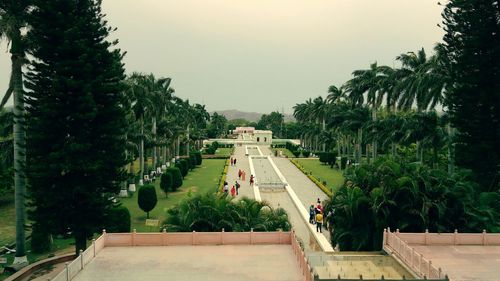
(76, 118)
(166, 182)
(408, 197)
(471, 49)
(176, 177)
(117, 220)
(212, 212)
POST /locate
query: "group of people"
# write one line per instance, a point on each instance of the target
(233, 161)
(234, 189)
(316, 215)
(241, 176)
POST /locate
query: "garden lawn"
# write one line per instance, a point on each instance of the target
(7, 219)
(286, 152)
(204, 178)
(224, 152)
(332, 177)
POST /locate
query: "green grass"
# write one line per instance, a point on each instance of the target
(224, 151)
(286, 152)
(7, 219)
(332, 177)
(202, 179)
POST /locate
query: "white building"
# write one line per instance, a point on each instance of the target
(263, 136)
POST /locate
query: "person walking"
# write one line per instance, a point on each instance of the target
(233, 191)
(226, 188)
(312, 214)
(237, 185)
(319, 222)
(234, 161)
(251, 180)
(239, 174)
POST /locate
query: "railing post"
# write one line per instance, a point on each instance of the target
(104, 236)
(455, 237)
(420, 264)
(440, 272)
(412, 257)
(134, 232)
(193, 237)
(164, 237)
(429, 269)
(222, 237)
(81, 259)
(384, 238)
(93, 245)
(67, 270)
(279, 233)
(426, 234)
(484, 237)
(251, 236)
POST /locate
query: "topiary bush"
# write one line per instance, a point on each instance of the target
(147, 198)
(117, 220)
(176, 177)
(198, 158)
(192, 161)
(166, 182)
(183, 166)
(306, 153)
(296, 153)
(343, 162)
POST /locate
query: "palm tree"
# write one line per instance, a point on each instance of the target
(141, 104)
(13, 17)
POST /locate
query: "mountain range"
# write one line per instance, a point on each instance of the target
(250, 116)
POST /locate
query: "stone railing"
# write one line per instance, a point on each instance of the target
(183, 238)
(399, 244)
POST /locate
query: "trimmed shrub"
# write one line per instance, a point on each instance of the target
(183, 165)
(176, 177)
(41, 241)
(147, 198)
(192, 161)
(296, 153)
(327, 157)
(215, 145)
(166, 182)
(198, 157)
(117, 220)
(306, 153)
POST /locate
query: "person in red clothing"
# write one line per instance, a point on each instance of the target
(233, 191)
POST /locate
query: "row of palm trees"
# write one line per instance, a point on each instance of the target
(381, 106)
(161, 121)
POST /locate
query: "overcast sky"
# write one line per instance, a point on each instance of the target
(262, 55)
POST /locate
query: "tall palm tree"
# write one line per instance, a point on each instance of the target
(13, 17)
(320, 109)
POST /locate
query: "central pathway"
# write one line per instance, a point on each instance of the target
(305, 190)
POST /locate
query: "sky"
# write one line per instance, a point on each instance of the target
(262, 55)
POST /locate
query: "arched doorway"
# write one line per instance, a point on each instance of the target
(258, 139)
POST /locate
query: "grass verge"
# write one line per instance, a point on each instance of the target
(202, 179)
(320, 174)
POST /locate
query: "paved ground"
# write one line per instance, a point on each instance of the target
(232, 173)
(305, 189)
(464, 263)
(183, 263)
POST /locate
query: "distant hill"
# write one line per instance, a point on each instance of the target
(250, 116)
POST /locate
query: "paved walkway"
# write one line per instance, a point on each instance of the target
(305, 189)
(232, 173)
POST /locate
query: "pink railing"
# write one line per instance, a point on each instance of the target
(301, 259)
(183, 238)
(454, 238)
(394, 244)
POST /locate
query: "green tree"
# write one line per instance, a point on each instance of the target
(147, 198)
(13, 18)
(76, 118)
(117, 220)
(166, 182)
(176, 177)
(471, 43)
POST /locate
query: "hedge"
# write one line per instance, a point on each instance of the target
(166, 182)
(197, 156)
(182, 164)
(223, 176)
(324, 188)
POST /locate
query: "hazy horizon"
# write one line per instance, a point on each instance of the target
(260, 56)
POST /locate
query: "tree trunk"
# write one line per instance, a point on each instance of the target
(324, 129)
(141, 150)
(359, 149)
(178, 149)
(19, 150)
(154, 143)
(80, 240)
(187, 143)
(374, 142)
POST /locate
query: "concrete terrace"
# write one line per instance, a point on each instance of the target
(183, 263)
